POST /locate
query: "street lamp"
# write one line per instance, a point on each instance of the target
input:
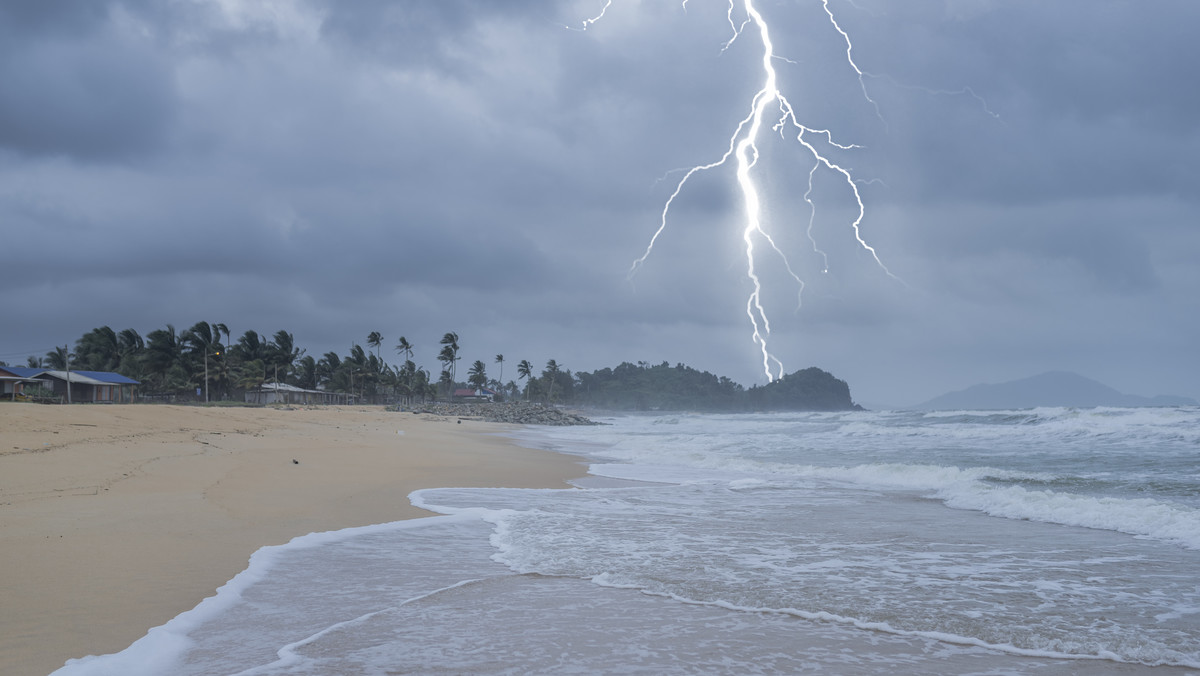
(215, 354)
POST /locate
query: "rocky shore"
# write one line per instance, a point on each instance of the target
(518, 413)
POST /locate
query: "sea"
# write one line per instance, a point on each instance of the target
(1043, 541)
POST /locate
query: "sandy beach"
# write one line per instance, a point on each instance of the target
(114, 519)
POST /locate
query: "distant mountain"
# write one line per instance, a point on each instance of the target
(1055, 388)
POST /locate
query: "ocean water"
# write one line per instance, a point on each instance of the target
(1048, 541)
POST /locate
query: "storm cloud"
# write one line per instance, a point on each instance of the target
(419, 167)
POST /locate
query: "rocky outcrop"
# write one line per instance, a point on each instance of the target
(517, 413)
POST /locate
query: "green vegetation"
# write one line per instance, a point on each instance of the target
(205, 363)
(808, 390)
(643, 387)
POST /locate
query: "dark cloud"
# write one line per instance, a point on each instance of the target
(73, 82)
(425, 35)
(337, 168)
(41, 18)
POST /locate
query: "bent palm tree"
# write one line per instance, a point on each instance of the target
(477, 376)
(404, 348)
(450, 347)
(283, 353)
(204, 340)
(98, 350)
(551, 374)
(164, 358)
(375, 339)
(525, 371)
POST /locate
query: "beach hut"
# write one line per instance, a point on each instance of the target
(283, 393)
(93, 387)
(14, 379)
(464, 394)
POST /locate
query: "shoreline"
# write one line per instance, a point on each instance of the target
(116, 518)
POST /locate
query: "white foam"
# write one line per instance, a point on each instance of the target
(162, 648)
(1142, 517)
(1075, 449)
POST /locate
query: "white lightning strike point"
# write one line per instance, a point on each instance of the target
(743, 148)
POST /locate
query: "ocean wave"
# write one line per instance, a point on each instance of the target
(1062, 649)
(1141, 517)
(973, 489)
(990, 490)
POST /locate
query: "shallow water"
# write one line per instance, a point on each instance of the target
(1049, 541)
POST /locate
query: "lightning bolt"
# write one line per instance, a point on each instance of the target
(961, 91)
(850, 59)
(743, 151)
(586, 23)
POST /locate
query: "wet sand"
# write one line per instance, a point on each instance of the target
(114, 519)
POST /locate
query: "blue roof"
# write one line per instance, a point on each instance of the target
(102, 376)
(23, 371)
(108, 377)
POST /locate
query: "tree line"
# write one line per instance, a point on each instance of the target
(205, 362)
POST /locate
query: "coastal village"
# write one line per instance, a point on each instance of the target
(205, 365)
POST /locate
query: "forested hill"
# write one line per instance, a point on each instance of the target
(641, 387)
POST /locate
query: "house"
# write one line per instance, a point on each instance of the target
(466, 394)
(283, 393)
(74, 386)
(13, 382)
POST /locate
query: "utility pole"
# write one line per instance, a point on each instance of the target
(67, 363)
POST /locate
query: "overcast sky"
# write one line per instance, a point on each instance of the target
(1029, 171)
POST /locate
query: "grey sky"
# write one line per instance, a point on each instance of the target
(417, 167)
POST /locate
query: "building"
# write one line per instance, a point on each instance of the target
(467, 395)
(283, 393)
(13, 382)
(76, 387)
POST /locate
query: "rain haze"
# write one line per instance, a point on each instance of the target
(1028, 170)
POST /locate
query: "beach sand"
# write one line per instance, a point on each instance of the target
(114, 519)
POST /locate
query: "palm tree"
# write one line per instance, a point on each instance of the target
(251, 375)
(58, 358)
(525, 370)
(376, 373)
(450, 348)
(420, 385)
(500, 361)
(375, 339)
(477, 376)
(404, 348)
(282, 352)
(329, 370)
(203, 339)
(250, 347)
(446, 357)
(164, 358)
(98, 350)
(130, 341)
(252, 357)
(357, 363)
(550, 374)
(131, 348)
(306, 373)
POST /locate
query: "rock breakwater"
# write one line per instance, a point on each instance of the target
(517, 413)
